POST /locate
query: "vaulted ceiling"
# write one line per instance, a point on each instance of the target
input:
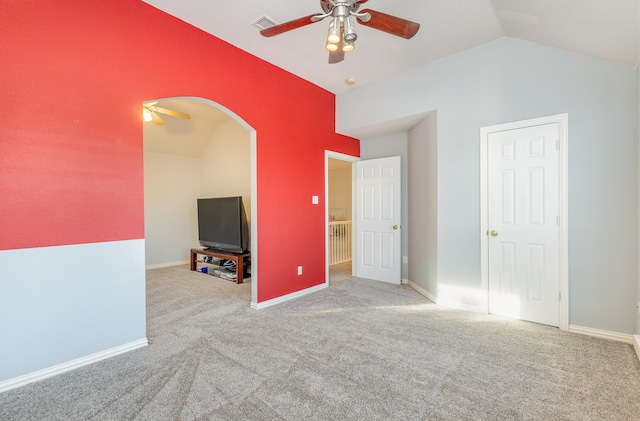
(608, 29)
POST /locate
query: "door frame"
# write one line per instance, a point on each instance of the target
(348, 158)
(563, 241)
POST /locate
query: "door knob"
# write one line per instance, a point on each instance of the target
(494, 233)
(395, 227)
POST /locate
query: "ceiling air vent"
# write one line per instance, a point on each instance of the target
(264, 22)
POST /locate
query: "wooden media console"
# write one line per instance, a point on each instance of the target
(236, 257)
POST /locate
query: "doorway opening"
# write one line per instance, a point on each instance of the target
(339, 202)
(210, 154)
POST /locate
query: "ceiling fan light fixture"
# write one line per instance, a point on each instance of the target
(344, 15)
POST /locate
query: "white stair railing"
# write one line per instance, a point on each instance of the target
(339, 242)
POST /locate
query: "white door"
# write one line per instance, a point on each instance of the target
(523, 223)
(378, 219)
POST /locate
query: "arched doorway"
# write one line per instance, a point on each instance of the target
(182, 163)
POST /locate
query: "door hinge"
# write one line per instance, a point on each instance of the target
(559, 296)
(558, 144)
(558, 220)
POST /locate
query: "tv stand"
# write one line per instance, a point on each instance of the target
(237, 257)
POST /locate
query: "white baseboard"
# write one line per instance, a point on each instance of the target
(293, 295)
(453, 299)
(422, 291)
(71, 365)
(166, 265)
(604, 334)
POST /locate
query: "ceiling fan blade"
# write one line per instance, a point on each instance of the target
(156, 118)
(287, 26)
(391, 24)
(336, 56)
(171, 112)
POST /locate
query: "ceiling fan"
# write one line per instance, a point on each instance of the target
(150, 112)
(342, 33)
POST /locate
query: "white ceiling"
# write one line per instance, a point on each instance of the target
(608, 29)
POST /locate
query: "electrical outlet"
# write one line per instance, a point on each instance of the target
(299, 270)
(405, 259)
(314, 200)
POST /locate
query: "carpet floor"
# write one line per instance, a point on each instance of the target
(358, 350)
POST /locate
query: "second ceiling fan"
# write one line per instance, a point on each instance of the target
(342, 31)
(150, 112)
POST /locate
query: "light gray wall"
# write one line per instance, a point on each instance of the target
(509, 80)
(423, 200)
(70, 291)
(382, 147)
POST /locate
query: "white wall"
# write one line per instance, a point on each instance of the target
(510, 80)
(173, 183)
(394, 144)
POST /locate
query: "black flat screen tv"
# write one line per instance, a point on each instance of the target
(222, 224)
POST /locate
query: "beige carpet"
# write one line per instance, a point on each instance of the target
(358, 350)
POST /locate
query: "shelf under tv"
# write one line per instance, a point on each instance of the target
(236, 257)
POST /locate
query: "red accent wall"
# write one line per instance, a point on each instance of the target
(72, 80)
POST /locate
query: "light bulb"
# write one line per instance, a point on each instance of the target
(348, 46)
(334, 31)
(331, 47)
(349, 30)
(146, 114)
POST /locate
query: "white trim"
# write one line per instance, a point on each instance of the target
(166, 265)
(604, 334)
(284, 298)
(342, 157)
(253, 144)
(453, 299)
(563, 248)
(424, 292)
(70, 365)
